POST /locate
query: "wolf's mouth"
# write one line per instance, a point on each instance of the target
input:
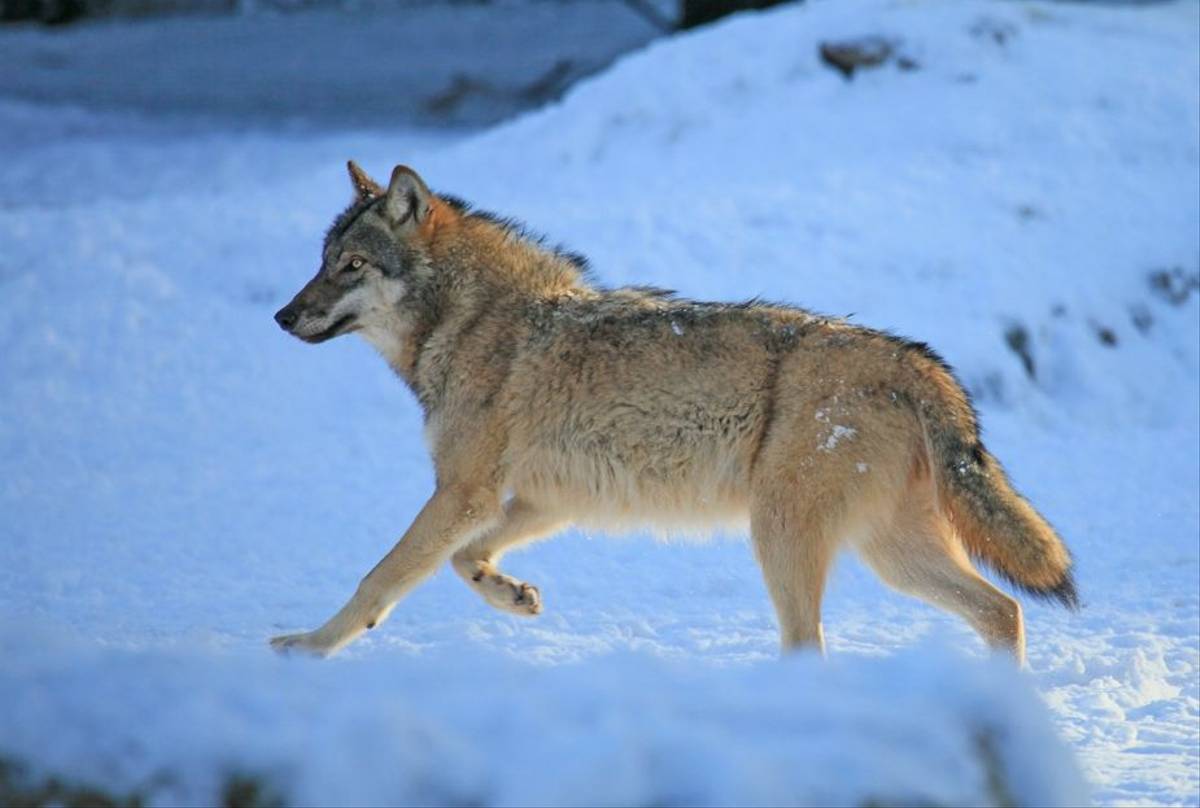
(341, 326)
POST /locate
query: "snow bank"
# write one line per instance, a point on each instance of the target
(470, 727)
(370, 65)
(1026, 179)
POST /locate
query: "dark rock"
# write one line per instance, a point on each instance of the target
(850, 55)
(1174, 285)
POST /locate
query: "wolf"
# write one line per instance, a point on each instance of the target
(549, 400)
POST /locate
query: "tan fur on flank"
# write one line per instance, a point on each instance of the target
(549, 401)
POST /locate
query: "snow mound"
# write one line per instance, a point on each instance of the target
(473, 728)
(1004, 148)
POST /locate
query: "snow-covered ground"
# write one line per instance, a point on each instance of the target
(386, 63)
(179, 480)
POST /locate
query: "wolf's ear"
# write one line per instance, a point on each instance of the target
(407, 197)
(365, 187)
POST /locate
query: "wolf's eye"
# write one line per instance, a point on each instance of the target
(356, 263)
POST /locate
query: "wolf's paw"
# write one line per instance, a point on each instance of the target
(305, 643)
(528, 600)
(510, 595)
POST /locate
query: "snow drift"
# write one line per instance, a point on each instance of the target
(473, 728)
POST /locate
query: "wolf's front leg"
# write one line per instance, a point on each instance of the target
(452, 517)
(477, 561)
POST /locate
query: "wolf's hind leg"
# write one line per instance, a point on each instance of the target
(794, 547)
(919, 554)
(477, 562)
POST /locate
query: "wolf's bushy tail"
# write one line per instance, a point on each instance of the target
(996, 524)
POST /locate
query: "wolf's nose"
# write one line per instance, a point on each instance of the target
(286, 318)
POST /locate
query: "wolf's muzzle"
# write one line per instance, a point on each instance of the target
(287, 317)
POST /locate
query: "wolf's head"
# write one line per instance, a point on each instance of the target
(372, 265)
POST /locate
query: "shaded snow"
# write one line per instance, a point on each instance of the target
(179, 480)
(378, 65)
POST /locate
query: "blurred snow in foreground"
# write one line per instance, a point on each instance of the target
(454, 728)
